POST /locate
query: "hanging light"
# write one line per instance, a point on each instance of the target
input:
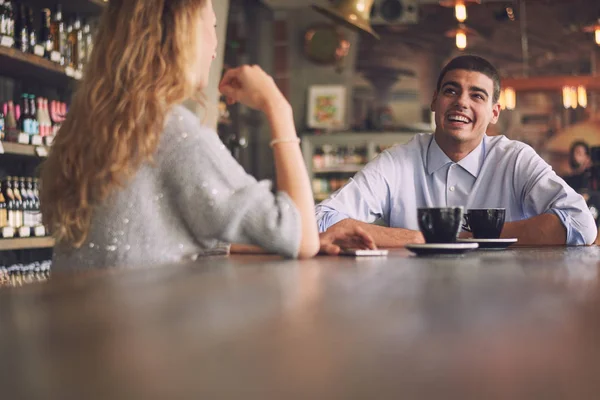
(573, 90)
(566, 96)
(460, 35)
(460, 11)
(582, 96)
(595, 28)
(511, 98)
(460, 7)
(461, 40)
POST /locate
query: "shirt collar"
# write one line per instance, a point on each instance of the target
(436, 158)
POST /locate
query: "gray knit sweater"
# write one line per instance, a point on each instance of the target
(191, 202)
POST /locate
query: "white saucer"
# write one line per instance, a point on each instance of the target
(441, 248)
(496, 244)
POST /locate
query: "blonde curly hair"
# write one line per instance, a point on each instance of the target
(138, 69)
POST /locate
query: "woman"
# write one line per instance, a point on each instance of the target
(580, 162)
(134, 179)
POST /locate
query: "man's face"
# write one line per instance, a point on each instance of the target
(464, 106)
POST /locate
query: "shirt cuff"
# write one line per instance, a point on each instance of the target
(574, 237)
(329, 219)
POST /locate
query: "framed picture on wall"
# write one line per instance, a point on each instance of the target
(326, 107)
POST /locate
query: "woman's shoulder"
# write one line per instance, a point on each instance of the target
(183, 128)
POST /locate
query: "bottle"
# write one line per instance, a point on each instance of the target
(46, 38)
(88, 39)
(4, 19)
(35, 203)
(10, 12)
(2, 133)
(20, 183)
(71, 47)
(57, 30)
(47, 120)
(36, 196)
(22, 32)
(3, 210)
(33, 39)
(18, 203)
(10, 202)
(79, 45)
(11, 120)
(25, 117)
(35, 124)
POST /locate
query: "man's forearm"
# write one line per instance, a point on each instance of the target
(384, 236)
(545, 229)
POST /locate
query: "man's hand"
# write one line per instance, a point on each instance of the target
(353, 237)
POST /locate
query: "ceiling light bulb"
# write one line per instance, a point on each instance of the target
(460, 11)
(566, 95)
(461, 40)
(582, 96)
(597, 32)
(511, 98)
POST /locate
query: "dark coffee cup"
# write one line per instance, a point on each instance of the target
(486, 223)
(440, 225)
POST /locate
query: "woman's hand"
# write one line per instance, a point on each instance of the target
(334, 239)
(253, 87)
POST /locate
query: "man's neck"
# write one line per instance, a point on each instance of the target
(456, 150)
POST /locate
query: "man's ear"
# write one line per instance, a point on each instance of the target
(433, 100)
(495, 113)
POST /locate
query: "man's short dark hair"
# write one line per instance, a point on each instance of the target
(473, 63)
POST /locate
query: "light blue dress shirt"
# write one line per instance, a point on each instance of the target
(499, 173)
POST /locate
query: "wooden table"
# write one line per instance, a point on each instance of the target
(515, 324)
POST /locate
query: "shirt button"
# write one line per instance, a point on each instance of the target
(452, 188)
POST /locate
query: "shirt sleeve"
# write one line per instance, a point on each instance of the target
(217, 199)
(366, 196)
(543, 191)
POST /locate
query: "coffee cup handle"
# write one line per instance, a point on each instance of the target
(465, 226)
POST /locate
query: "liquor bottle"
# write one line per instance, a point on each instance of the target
(71, 48)
(21, 31)
(7, 23)
(59, 35)
(35, 124)
(46, 38)
(25, 117)
(26, 202)
(11, 119)
(88, 40)
(18, 202)
(4, 19)
(3, 210)
(33, 38)
(79, 45)
(2, 123)
(10, 202)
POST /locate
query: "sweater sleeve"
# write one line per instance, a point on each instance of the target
(216, 198)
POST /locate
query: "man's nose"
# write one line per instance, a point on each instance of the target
(462, 101)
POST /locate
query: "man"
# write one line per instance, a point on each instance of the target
(459, 165)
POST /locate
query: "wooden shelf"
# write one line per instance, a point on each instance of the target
(348, 168)
(26, 243)
(20, 149)
(17, 64)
